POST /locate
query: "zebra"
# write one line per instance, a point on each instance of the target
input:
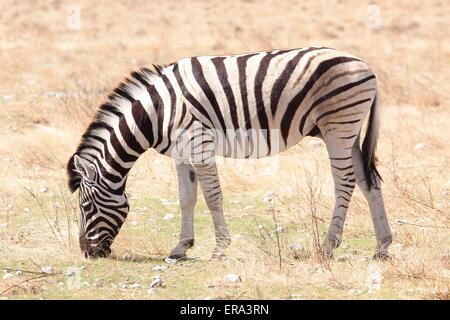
(201, 107)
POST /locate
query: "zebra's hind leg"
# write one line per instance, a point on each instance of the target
(339, 146)
(374, 198)
(187, 186)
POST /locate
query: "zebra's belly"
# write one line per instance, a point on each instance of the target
(253, 143)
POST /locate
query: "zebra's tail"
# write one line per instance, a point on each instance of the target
(370, 144)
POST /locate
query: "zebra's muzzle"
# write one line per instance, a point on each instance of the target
(93, 251)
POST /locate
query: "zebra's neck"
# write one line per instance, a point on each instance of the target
(128, 124)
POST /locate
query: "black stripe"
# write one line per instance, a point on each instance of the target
(348, 137)
(172, 111)
(242, 64)
(143, 122)
(159, 110)
(106, 155)
(183, 113)
(111, 215)
(349, 174)
(140, 77)
(223, 78)
(113, 163)
(283, 79)
(344, 168)
(129, 137)
(122, 92)
(345, 158)
(346, 185)
(259, 100)
(199, 76)
(120, 150)
(346, 192)
(106, 174)
(342, 108)
(188, 95)
(296, 102)
(331, 95)
(343, 122)
(111, 109)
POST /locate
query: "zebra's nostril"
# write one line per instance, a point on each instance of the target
(86, 255)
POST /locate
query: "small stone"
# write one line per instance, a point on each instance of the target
(9, 97)
(165, 202)
(269, 197)
(159, 268)
(249, 207)
(170, 261)
(47, 270)
(419, 146)
(374, 277)
(296, 296)
(60, 95)
(7, 276)
(126, 256)
(61, 284)
(134, 223)
(70, 273)
(315, 143)
(134, 286)
(279, 229)
(234, 202)
(233, 278)
(156, 282)
(43, 190)
(168, 217)
(18, 273)
(26, 210)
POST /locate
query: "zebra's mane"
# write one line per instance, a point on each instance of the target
(109, 113)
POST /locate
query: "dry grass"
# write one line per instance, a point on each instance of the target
(58, 77)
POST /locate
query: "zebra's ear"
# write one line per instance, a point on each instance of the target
(84, 168)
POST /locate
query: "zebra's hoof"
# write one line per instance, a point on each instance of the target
(383, 256)
(177, 256)
(327, 254)
(218, 254)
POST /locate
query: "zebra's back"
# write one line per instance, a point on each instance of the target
(273, 98)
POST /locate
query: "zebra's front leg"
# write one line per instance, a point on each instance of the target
(187, 186)
(209, 182)
(344, 184)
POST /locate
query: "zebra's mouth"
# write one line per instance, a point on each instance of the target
(97, 252)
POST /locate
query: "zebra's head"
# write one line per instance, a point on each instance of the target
(102, 209)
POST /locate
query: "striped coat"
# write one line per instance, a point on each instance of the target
(241, 106)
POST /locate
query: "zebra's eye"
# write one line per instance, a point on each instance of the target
(86, 205)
